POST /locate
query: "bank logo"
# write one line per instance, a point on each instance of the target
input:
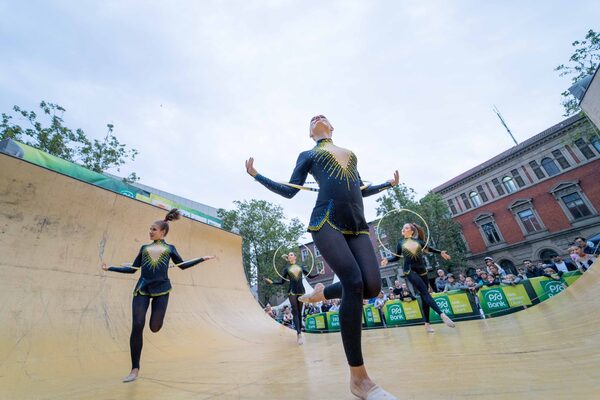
(128, 193)
(396, 313)
(495, 299)
(443, 304)
(553, 288)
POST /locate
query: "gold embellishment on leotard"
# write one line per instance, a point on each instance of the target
(139, 292)
(155, 254)
(295, 271)
(333, 166)
(412, 248)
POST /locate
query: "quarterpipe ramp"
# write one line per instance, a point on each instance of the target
(65, 324)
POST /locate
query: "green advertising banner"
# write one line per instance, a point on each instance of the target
(315, 322)
(516, 296)
(443, 303)
(333, 321)
(371, 316)
(570, 277)
(492, 299)
(546, 287)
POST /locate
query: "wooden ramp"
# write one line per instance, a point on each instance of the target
(64, 323)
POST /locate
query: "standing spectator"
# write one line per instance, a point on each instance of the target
(397, 287)
(587, 246)
(441, 280)
(471, 285)
(558, 264)
(510, 279)
(379, 303)
(496, 272)
(269, 311)
(491, 281)
(483, 277)
(335, 306)
(522, 274)
(580, 258)
(405, 294)
(531, 270)
(489, 263)
(452, 284)
(462, 279)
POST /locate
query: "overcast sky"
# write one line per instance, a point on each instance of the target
(198, 86)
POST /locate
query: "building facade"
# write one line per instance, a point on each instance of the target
(530, 201)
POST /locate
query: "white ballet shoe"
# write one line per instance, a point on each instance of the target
(429, 328)
(315, 296)
(377, 393)
(448, 321)
(300, 340)
(130, 378)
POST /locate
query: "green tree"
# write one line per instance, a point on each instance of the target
(444, 232)
(583, 62)
(264, 228)
(52, 136)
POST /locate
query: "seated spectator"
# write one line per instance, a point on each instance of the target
(491, 281)
(558, 264)
(471, 285)
(489, 263)
(452, 284)
(531, 270)
(440, 281)
(587, 246)
(406, 294)
(510, 279)
(582, 260)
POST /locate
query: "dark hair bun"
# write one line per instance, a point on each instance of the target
(173, 215)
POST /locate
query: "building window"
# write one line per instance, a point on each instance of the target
(562, 161)
(509, 184)
(547, 255)
(596, 143)
(550, 166)
(537, 170)
(385, 253)
(475, 199)
(498, 187)
(465, 201)
(320, 267)
(584, 148)
(576, 205)
(517, 177)
(304, 254)
(489, 229)
(573, 200)
(481, 193)
(490, 232)
(452, 207)
(529, 221)
(317, 252)
(526, 216)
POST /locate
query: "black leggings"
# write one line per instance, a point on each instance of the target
(296, 311)
(139, 308)
(353, 260)
(421, 283)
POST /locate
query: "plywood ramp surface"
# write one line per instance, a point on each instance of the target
(65, 324)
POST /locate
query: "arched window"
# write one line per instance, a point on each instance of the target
(508, 266)
(546, 255)
(475, 199)
(550, 166)
(509, 184)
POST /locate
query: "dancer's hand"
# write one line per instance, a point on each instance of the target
(268, 281)
(384, 262)
(250, 167)
(208, 258)
(395, 180)
(445, 255)
(104, 266)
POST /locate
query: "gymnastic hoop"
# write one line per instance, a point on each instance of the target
(396, 210)
(302, 245)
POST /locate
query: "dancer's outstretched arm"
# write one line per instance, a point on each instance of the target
(186, 264)
(298, 176)
(374, 189)
(126, 269)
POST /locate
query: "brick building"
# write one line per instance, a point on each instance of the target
(530, 201)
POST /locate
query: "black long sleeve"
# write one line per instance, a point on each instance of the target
(298, 178)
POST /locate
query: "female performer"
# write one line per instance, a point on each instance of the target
(294, 273)
(153, 286)
(340, 231)
(412, 246)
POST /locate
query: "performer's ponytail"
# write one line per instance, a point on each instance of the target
(172, 215)
(418, 232)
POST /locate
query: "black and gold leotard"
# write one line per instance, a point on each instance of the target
(339, 202)
(153, 261)
(412, 252)
(294, 274)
